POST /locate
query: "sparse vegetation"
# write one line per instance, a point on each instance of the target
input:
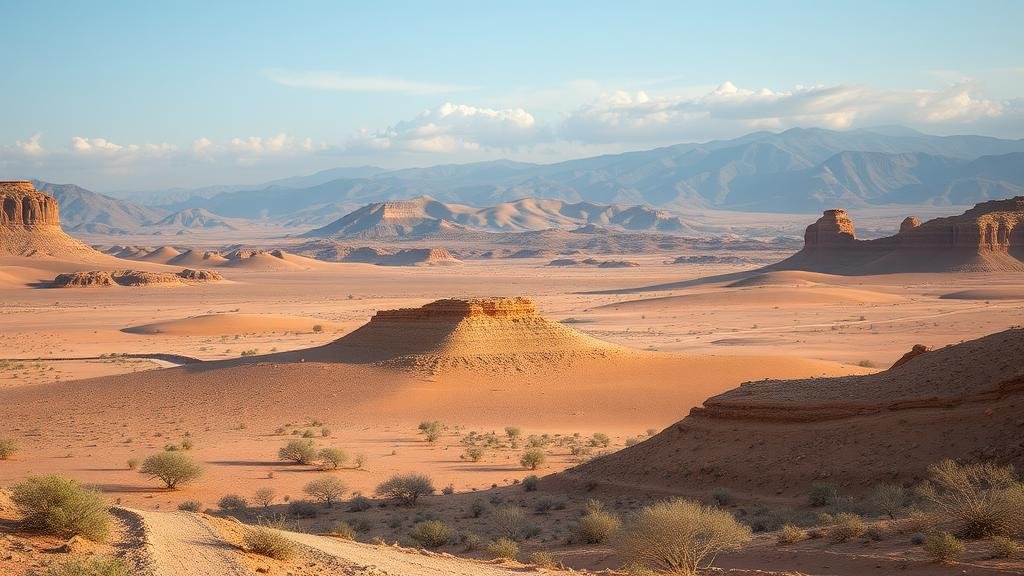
(542, 559)
(723, 497)
(1003, 547)
(509, 520)
(332, 458)
(432, 430)
(977, 500)
(791, 534)
(172, 468)
(298, 451)
(302, 509)
(232, 503)
(343, 530)
(943, 546)
(99, 566)
(503, 548)
(530, 483)
(847, 526)
(327, 490)
(533, 458)
(61, 507)
(890, 499)
(677, 535)
(7, 448)
(318, 328)
(264, 496)
(359, 504)
(822, 494)
(431, 533)
(474, 453)
(600, 440)
(190, 506)
(406, 489)
(598, 525)
(268, 542)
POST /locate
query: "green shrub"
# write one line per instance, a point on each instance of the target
(598, 525)
(677, 535)
(822, 494)
(7, 448)
(432, 430)
(61, 507)
(406, 489)
(471, 542)
(513, 434)
(100, 566)
(343, 530)
(977, 500)
(332, 458)
(172, 468)
(190, 506)
(232, 503)
(530, 483)
(503, 548)
(509, 521)
(431, 533)
(268, 542)
(327, 490)
(298, 451)
(847, 526)
(791, 534)
(600, 439)
(533, 458)
(1003, 547)
(474, 453)
(943, 546)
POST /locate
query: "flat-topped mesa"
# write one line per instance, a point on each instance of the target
(457, 309)
(23, 206)
(833, 229)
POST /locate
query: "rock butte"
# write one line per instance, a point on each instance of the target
(23, 205)
(986, 238)
(30, 224)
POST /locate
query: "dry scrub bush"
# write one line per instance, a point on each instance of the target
(847, 526)
(1003, 547)
(61, 507)
(822, 494)
(503, 548)
(431, 533)
(890, 499)
(533, 458)
(474, 453)
(542, 560)
(7, 448)
(302, 509)
(359, 504)
(432, 430)
(791, 534)
(332, 458)
(977, 500)
(232, 503)
(298, 451)
(264, 496)
(530, 483)
(101, 566)
(327, 490)
(598, 525)
(343, 530)
(190, 506)
(509, 521)
(270, 543)
(943, 546)
(172, 468)
(676, 536)
(406, 489)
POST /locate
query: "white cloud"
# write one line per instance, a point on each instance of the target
(453, 127)
(728, 110)
(337, 82)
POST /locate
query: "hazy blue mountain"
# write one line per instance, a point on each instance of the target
(88, 211)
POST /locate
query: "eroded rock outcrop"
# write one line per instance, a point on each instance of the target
(95, 278)
(22, 205)
(916, 351)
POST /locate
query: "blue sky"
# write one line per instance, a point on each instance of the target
(123, 95)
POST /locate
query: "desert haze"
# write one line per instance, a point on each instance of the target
(494, 297)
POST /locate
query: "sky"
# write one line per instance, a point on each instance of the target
(119, 96)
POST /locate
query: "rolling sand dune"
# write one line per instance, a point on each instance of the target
(993, 293)
(197, 258)
(783, 278)
(162, 255)
(272, 260)
(218, 324)
(778, 436)
(768, 295)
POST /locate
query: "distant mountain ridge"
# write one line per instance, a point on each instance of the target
(427, 217)
(83, 210)
(799, 170)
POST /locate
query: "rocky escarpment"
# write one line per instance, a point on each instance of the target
(96, 278)
(986, 238)
(30, 223)
(503, 334)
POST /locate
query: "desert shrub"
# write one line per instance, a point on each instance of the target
(100, 566)
(343, 530)
(318, 328)
(597, 525)
(890, 499)
(61, 507)
(723, 497)
(513, 434)
(847, 526)
(677, 535)
(791, 534)
(302, 509)
(977, 500)
(232, 503)
(474, 453)
(530, 483)
(7, 448)
(133, 463)
(332, 458)
(190, 506)
(432, 430)
(298, 451)
(509, 521)
(172, 468)
(943, 546)
(532, 458)
(327, 490)
(632, 441)
(503, 548)
(448, 490)
(600, 439)
(307, 434)
(822, 494)
(325, 432)
(1003, 547)
(431, 533)
(359, 461)
(268, 542)
(471, 542)
(359, 504)
(477, 508)
(406, 488)
(542, 559)
(874, 533)
(264, 496)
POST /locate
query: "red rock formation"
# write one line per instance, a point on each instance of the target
(834, 228)
(22, 205)
(916, 351)
(909, 223)
(200, 275)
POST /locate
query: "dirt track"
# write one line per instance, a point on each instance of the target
(182, 544)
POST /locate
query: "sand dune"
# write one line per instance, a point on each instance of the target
(273, 260)
(163, 255)
(768, 295)
(218, 324)
(197, 258)
(992, 293)
(783, 278)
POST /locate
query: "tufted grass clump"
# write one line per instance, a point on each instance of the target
(503, 548)
(62, 507)
(268, 542)
(598, 525)
(431, 533)
(943, 546)
(97, 566)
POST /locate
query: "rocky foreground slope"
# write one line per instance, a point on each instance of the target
(779, 436)
(986, 238)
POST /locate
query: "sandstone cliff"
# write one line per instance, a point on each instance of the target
(30, 224)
